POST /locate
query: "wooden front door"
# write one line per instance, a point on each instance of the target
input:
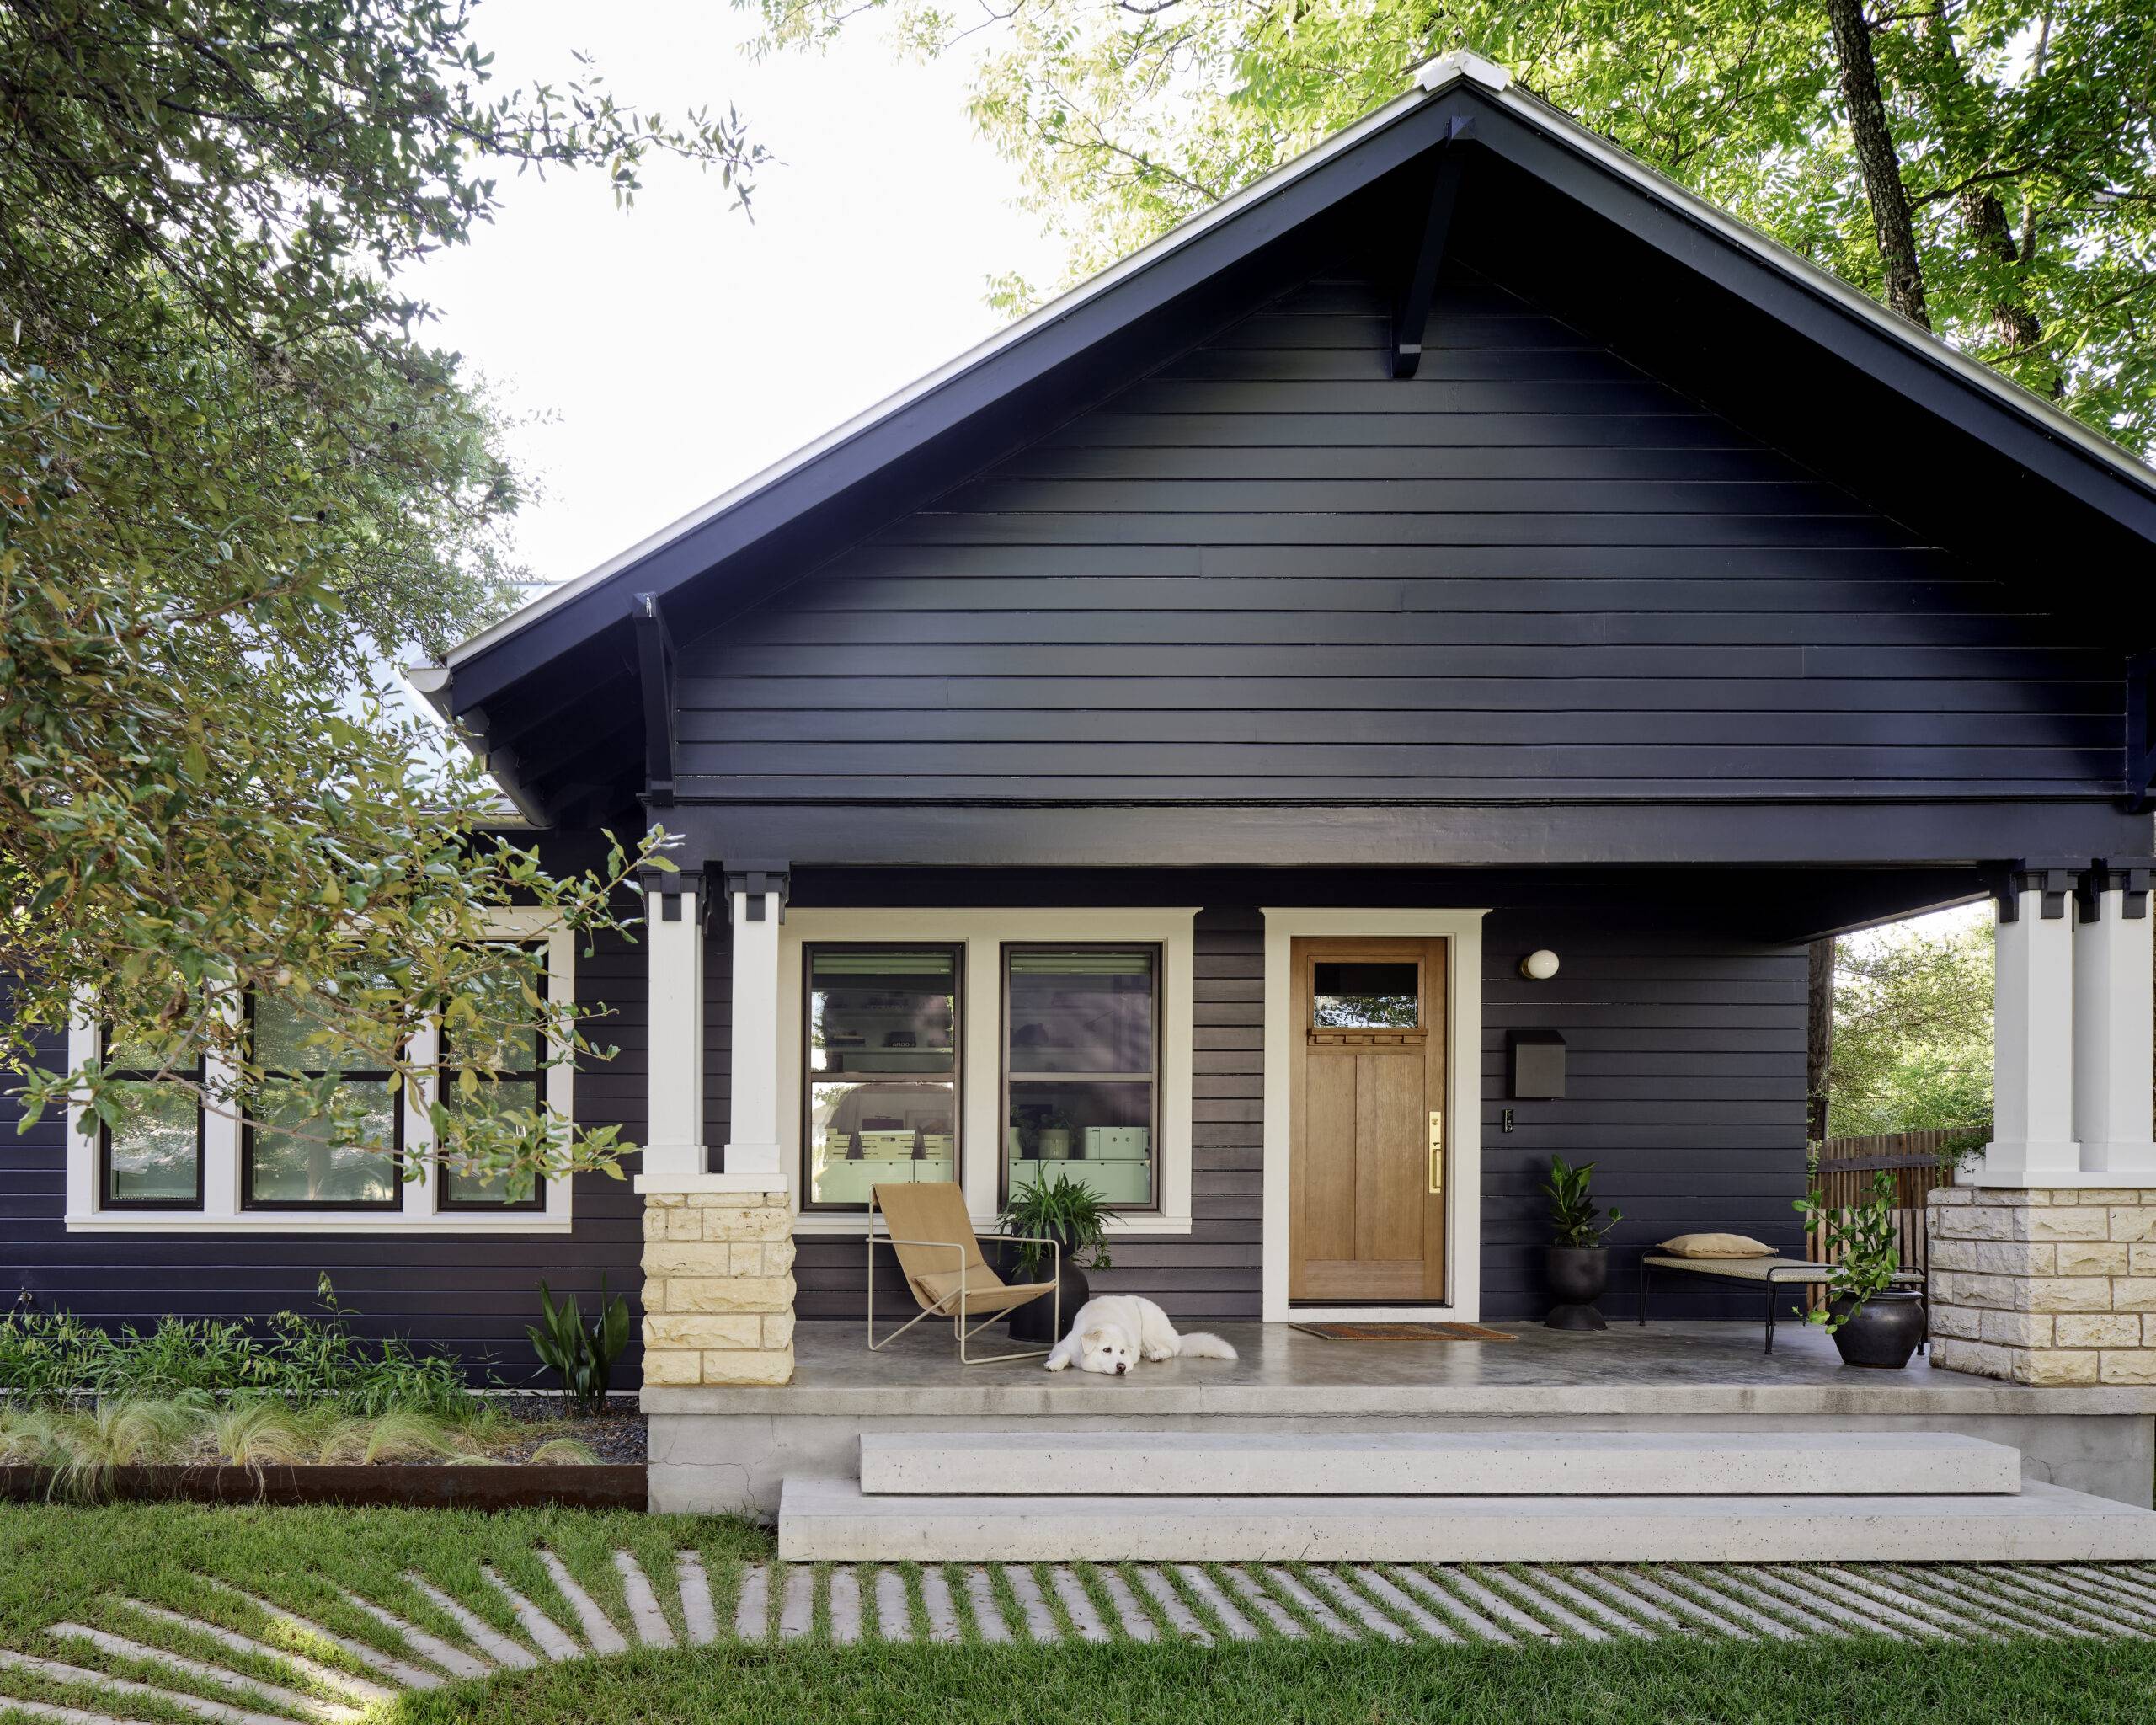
(1367, 1104)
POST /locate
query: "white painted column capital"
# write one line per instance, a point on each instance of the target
(2033, 1142)
(755, 901)
(674, 951)
(2115, 1022)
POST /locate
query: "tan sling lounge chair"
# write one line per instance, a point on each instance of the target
(941, 1258)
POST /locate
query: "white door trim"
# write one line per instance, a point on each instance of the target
(1463, 1107)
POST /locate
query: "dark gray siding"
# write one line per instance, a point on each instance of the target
(1686, 1045)
(1269, 572)
(467, 1296)
(1685, 1086)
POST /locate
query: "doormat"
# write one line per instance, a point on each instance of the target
(1404, 1332)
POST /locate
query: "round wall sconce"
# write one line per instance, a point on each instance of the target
(1538, 966)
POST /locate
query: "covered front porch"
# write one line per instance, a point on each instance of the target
(733, 1447)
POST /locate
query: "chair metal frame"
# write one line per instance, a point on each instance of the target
(957, 1314)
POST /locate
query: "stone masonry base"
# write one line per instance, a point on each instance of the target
(2044, 1286)
(718, 1288)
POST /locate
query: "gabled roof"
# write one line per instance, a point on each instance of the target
(925, 437)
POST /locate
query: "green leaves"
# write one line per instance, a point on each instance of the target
(1911, 1047)
(1861, 1242)
(582, 1354)
(1125, 119)
(1574, 1218)
(232, 482)
(1056, 1206)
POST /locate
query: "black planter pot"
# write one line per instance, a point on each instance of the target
(1882, 1333)
(1036, 1321)
(1577, 1275)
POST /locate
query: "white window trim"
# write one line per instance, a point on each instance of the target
(1463, 1080)
(981, 934)
(221, 1212)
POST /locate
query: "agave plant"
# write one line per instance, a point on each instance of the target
(582, 1353)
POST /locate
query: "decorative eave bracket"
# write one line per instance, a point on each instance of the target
(756, 880)
(655, 678)
(2084, 880)
(1411, 309)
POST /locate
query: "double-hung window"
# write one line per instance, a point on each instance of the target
(349, 1156)
(150, 1156)
(508, 1000)
(1081, 1068)
(881, 1075)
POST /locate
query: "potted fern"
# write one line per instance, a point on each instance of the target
(1576, 1263)
(1055, 1207)
(1875, 1324)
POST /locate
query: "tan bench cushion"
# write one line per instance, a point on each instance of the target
(1717, 1246)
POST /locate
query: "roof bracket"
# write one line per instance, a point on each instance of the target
(655, 677)
(1411, 310)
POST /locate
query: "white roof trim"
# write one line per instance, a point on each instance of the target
(1430, 79)
(1462, 63)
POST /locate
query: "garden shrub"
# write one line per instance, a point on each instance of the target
(49, 1357)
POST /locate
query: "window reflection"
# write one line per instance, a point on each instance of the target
(1348, 995)
(882, 1068)
(1081, 1056)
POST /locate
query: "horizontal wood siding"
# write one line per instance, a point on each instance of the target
(1686, 1048)
(468, 1295)
(1684, 1086)
(1270, 571)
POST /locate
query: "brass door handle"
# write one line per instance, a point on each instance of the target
(1437, 1150)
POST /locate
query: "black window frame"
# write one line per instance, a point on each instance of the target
(316, 1206)
(541, 1072)
(198, 1074)
(1157, 950)
(810, 1204)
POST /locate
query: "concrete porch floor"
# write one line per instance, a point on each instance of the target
(1664, 1368)
(715, 1448)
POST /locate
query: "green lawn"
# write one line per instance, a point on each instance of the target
(60, 1563)
(1816, 1683)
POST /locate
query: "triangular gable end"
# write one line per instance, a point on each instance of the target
(1489, 175)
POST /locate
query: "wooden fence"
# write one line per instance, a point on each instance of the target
(1846, 1167)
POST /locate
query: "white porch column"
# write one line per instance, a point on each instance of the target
(2115, 1022)
(755, 898)
(674, 951)
(2033, 1142)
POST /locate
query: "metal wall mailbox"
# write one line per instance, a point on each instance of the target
(1535, 1060)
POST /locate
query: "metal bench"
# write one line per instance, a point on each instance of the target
(1774, 1273)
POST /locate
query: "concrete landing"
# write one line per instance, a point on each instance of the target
(834, 1520)
(1435, 1464)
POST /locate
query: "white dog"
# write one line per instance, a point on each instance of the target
(1112, 1334)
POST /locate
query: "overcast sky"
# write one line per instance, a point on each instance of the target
(675, 348)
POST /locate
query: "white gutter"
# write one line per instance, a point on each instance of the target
(1430, 79)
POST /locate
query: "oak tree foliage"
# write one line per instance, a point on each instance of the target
(235, 478)
(1912, 1028)
(1984, 166)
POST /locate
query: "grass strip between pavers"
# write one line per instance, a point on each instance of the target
(1615, 1682)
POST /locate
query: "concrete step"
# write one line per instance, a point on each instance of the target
(834, 1519)
(1407, 1464)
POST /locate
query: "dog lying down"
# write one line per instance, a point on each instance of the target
(1112, 1334)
